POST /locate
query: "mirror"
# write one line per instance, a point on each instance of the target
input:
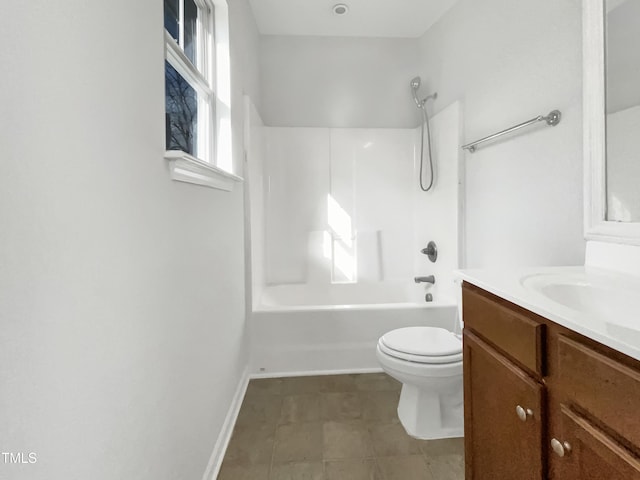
(611, 109)
(622, 107)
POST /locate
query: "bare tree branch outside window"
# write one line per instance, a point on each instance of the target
(181, 103)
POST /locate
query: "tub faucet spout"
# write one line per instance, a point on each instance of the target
(428, 279)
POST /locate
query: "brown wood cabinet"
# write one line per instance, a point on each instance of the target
(593, 454)
(543, 402)
(495, 387)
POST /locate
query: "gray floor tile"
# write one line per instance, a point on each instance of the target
(380, 407)
(346, 440)
(446, 446)
(376, 382)
(352, 469)
(251, 445)
(338, 383)
(298, 442)
(271, 386)
(340, 406)
(244, 472)
(298, 471)
(302, 408)
(332, 428)
(412, 467)
(392, 440)
(260, 408)
(297, 385)
(447, 467)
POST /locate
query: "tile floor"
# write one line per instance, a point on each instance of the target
(338, 427)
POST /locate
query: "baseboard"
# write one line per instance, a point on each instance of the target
(308, 373)
(215, 462)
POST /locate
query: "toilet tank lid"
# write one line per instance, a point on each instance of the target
(428, 341)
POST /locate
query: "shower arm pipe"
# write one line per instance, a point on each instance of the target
(552, 120)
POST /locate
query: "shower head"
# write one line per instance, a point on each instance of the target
(415, 85)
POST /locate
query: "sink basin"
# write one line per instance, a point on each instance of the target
(611, 300)
(596, 295)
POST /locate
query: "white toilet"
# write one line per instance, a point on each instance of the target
(428, 362)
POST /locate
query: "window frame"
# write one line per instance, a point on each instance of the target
(210, 78)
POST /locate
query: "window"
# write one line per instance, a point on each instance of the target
(197, 88)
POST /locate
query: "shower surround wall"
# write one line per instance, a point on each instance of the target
(343, 206)
(255, 199)
(333, 205)
(344, 224)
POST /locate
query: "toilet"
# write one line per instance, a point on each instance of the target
(428, 362)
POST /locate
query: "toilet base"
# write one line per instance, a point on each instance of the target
(428, 415)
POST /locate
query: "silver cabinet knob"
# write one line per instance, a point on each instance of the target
(560, 448)
(523, 413)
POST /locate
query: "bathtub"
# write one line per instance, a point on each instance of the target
(302, 329)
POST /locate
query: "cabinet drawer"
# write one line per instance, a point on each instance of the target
(605, 388)
(593, 454)
(515, 334)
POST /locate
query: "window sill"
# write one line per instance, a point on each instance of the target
(186, 168)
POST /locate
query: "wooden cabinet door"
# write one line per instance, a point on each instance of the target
(499, 445)
(588, 453)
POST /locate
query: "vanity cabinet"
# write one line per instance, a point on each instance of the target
(501, 437)
(543, 402)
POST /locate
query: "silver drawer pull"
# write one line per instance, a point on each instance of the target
(523, 413)
(560, 448)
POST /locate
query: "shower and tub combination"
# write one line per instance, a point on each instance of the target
(341, 225)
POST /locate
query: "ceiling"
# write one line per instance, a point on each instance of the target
(366, 18)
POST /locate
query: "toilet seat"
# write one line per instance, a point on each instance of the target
(424, 359)
(427, 345)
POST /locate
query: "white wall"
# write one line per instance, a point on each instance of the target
(338, 82)
(510, 61)
(121, 291)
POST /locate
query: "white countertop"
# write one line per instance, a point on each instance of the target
(611, 320)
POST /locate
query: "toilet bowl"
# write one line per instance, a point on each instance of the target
(428, 362)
